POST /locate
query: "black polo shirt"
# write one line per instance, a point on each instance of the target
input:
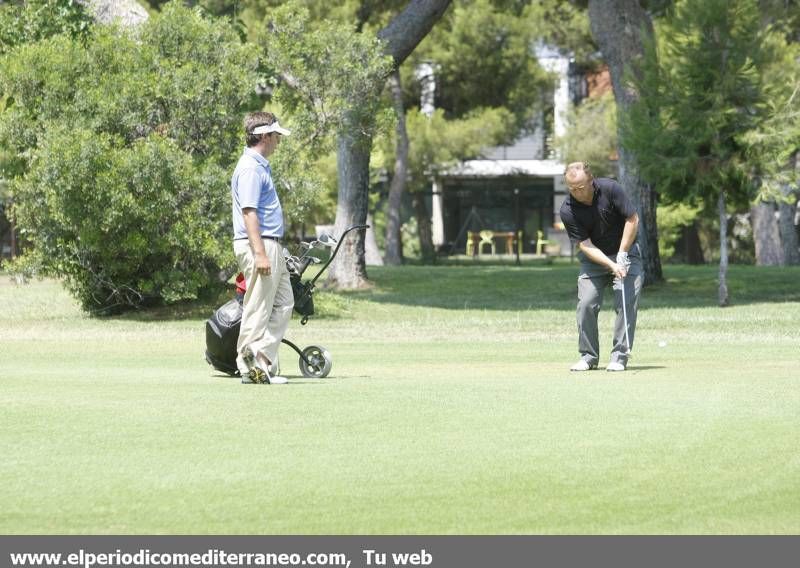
(603, 221)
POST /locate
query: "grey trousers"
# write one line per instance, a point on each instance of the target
(592, 282)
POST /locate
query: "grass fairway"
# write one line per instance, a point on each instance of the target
(449, 410)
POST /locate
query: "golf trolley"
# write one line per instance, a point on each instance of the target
(222, 329)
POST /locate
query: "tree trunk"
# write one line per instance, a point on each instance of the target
(401, 35)
(687, 248)
(424, 227)
(765, 234)
(394, 252)
(12, 227)
(786, 228)
(348, 270)
(723, 251)
(693, 250)
(620, 28)
(786, 214)
(404, 32)
(372, 254)
(127, 13)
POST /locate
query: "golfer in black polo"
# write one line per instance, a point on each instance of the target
(602, 222)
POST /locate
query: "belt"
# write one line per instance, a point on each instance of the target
(270, 237)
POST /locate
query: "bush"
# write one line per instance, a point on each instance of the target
(32, 20)
(128, 141)
(126, 225)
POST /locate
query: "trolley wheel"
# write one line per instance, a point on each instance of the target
(320, 362)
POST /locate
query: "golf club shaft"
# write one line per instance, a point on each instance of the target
(625, 315)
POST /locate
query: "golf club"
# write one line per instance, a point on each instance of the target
(625, 315)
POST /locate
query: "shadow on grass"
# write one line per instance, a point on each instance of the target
(198, 309)
(505, 287)
(328, 305)
(554, 287)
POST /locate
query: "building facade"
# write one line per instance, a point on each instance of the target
(517, 189)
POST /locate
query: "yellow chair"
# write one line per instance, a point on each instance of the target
(540, 242)
(487, 238)
(470, 243)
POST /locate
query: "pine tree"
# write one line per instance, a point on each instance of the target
(702, 93)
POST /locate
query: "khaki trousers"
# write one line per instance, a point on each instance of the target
(268, 301)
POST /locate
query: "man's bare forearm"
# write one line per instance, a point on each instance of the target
(595, 254)
(253, 231)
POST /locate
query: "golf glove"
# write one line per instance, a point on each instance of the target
(623, 260)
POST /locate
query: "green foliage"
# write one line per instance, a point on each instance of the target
(671, 221)
(324, 68)
(702, 92)
(26, 22)
(483, 58)
(772, 145)
(362, 15)
(592, 134)
(31, 20)
(562, 24)
(126, 225)
(126, 143)
(327, 77)
(783, 16)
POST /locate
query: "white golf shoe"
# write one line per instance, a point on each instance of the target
(615, 366)
(582, 365)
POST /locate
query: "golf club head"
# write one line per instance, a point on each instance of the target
(293, 264)
(327, 241)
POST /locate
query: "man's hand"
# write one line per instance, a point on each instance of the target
(623, 260)
(618, 270)
(262, 263)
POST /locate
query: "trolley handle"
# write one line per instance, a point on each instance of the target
(336, 250)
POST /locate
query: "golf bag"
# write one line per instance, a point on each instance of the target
(222, 333)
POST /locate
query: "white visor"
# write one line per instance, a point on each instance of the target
(274, 127)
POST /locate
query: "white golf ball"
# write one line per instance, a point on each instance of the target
(662, 343)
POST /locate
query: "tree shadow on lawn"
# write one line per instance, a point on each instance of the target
(327, 304)
(193, 310)
(512, 288)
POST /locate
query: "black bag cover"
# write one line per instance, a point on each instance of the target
(303, 296)
(222, 332)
